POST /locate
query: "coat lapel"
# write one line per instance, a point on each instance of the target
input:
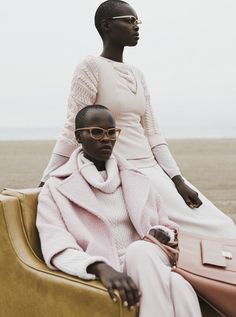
(77, 190)
(136, 188)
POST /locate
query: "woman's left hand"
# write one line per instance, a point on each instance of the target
(189, 195)
(160, 235)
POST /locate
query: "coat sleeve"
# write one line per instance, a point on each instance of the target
(163, 217)
(75, 262)
(53, 233)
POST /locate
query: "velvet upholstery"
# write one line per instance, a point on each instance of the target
(28, 287)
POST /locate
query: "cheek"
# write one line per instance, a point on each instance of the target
(121, 34)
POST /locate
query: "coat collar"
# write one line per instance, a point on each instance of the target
(136, 187)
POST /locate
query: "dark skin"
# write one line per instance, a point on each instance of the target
(99, 152)
(116, 35)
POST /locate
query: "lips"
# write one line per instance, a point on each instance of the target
(136, 35)
(106, 148)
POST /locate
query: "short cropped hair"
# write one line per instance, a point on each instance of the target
(105, 11)
(81, 115)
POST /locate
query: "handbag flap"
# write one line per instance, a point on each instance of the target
(190, 258)
(213, 253)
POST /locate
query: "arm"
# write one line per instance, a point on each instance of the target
(166, 231)
(53, 234)
(83, 93)
(163, 156)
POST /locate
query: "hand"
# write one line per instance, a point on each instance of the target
(112, 280)
(160, 235)
(189, 195)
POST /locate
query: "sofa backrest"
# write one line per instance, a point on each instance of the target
(28, 199)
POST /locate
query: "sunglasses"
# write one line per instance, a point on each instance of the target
(97, 133)
(128, 18)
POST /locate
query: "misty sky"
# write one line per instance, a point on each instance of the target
(187, 52)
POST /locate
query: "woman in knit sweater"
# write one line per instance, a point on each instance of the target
(92, 213)
(107, 80)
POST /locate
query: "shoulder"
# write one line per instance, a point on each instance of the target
(49, 185)
(89, 65)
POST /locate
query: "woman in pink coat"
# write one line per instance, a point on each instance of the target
(92, 214)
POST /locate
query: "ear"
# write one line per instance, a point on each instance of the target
(77, 136)
(104, 26)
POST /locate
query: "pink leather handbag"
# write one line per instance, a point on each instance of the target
(209, 265)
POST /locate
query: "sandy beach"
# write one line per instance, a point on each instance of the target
(209, 164)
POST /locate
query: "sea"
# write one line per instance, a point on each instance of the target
(170, 132)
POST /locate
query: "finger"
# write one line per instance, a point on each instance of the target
(118, 285)
(136, 292)
(111, 293)
(197, 202)
(189, 203)
(129, 294)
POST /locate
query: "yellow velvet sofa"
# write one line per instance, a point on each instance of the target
(28, 288)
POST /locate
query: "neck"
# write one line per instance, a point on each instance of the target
(100, 165)
(113, 52)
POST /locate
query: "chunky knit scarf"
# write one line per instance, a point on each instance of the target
(95, 178)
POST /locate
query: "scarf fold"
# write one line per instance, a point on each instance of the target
(95, 178)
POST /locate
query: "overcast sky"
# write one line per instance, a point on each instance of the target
(187, 52)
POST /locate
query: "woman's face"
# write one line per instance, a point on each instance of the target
(123, 31)
(97, 150)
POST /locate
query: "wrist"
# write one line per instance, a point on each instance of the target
(96, 268)
(178, 180)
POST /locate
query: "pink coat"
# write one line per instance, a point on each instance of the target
(69, 215)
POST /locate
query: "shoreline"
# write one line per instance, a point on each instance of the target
(209, 164)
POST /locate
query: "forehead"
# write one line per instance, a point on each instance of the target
(99, 118)
(124, 9)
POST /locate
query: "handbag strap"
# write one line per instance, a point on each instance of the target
(171, 253)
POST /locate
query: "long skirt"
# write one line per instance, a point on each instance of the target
(164, 293)
(206, 220)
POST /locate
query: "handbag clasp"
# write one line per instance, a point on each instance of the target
(228, 255)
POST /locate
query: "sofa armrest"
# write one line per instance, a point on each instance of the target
(29, 288)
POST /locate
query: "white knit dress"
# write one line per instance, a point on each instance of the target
(122, 89)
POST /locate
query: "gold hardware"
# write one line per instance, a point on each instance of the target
(228, 255)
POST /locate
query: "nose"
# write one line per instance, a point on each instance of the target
(105, 137)
(136, 27)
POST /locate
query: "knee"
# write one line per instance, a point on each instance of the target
(137, 250)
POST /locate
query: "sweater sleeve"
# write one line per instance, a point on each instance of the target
(56, 161)
(165, 160)
(148, 121)
(75, 262)
(83, 92)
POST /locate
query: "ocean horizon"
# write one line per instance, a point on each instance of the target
(46, 133)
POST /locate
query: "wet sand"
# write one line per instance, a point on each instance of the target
(209, 164)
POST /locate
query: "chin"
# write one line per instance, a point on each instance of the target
(132, 43)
